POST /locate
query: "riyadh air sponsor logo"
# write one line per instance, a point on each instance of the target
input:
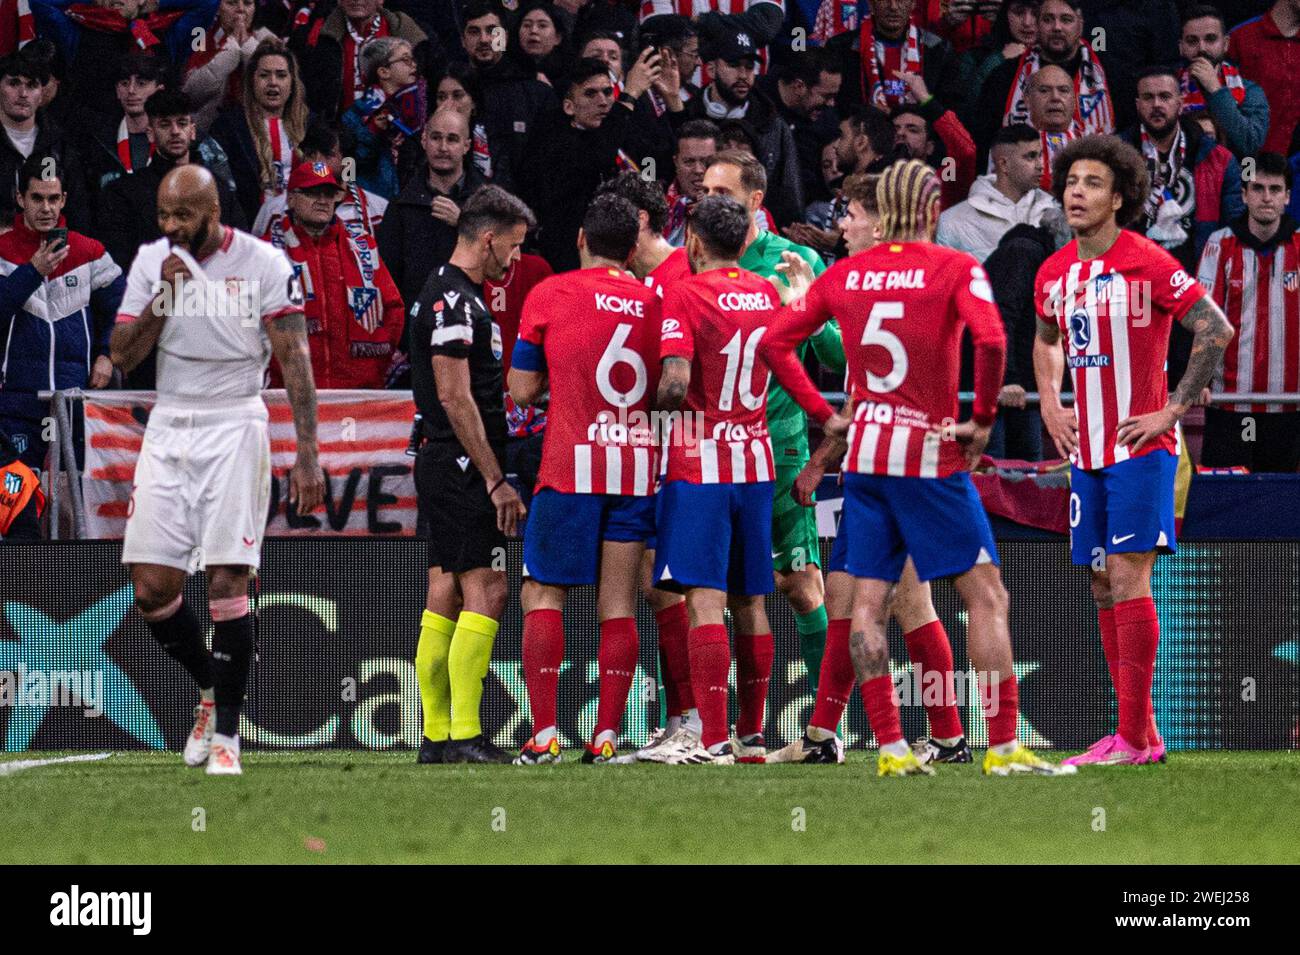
(133, 910)
(1089, 361)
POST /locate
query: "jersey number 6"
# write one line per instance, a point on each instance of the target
(617, 353)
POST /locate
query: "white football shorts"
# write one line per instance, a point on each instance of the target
(202, 487)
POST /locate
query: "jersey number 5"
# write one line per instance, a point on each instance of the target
(875, 334)
(617, 353)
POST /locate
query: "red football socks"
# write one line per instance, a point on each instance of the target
(835, 683)
(1001, 707)
(673, 627)
(754, 652)
(617, 659)
(1137, 629)
(543, 654)
(931, 655)
(710, 665)
(882, 709)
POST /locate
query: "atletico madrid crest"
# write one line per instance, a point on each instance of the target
(1291, 281)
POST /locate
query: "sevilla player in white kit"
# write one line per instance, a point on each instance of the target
(592, 336)
(902, 306)
(1106, 303)
(217, 303)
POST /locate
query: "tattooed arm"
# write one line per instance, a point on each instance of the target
(673, 382)
(1211, 333)
(288, 335)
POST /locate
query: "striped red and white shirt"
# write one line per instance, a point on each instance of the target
(902, 307)
(595, 332)
(1260, 293)
(716, 320)
(1115, 313)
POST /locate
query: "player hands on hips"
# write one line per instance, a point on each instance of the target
(467, 507)
(592, 338)
(203, 476)
(715, 507)
(1106, 303)
(902, 306)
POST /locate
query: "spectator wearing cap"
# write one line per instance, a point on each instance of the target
(58, 302)
(360, 211)
(353, 310)
(261, 133)
(213, 72)
(332, 63)
(1267, 48)
(418, 233)
(1007, 197)
(886, 45)
(95, 36)
(513, 99)
(1213, 85)
(118, 144)
(393, 109)
(733, 58)
(128, 207)
(29, 133)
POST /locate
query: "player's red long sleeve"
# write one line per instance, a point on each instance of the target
(792, 327)
(990, 341)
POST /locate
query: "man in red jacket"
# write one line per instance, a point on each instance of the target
(354, 311)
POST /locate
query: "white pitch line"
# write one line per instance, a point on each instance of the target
(18, 765)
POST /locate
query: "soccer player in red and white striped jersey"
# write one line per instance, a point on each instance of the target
(661, 265)
(1252, 268)
(715, 508)
(1106, 303)
(902, 306)
(592, 336)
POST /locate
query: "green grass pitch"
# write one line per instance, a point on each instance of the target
(344, 806)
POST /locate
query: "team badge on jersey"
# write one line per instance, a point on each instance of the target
(13, 483)
(1103, 287)
(1291, 281)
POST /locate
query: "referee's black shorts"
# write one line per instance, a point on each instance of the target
(455, 510)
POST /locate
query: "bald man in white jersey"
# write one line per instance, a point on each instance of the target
(217, 303)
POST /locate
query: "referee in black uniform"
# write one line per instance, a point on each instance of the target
(466, 505)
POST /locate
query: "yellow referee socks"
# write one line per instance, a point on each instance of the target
(431, 672)
(467, 665)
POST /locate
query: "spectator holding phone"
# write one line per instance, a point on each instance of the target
(58, 300)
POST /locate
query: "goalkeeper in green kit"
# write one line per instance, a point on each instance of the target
(796, 557)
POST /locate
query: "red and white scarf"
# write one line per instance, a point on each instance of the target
(881, 60)
(354, 84)
(124, 147)
(1093, 111)
(482, 154)
(364, 300)
(833, 18)
(282, 150)
(1194, 97)
(1053, 143)
(145, 29)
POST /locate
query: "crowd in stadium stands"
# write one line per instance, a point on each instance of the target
(350, 133)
